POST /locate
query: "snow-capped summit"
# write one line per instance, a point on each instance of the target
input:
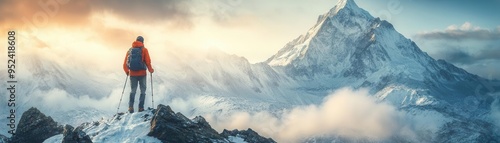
(346, 11)
(345, 4)
(349, 47)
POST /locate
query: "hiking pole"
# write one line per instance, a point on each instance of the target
(122, 94)
(152, 91)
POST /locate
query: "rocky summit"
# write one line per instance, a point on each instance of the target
(152, 125)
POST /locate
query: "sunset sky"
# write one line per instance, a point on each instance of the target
(463, 32)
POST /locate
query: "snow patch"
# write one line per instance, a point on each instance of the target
(234, 139)
(126, 128)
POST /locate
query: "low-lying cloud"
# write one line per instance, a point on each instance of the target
(460, 54)
(345, 113)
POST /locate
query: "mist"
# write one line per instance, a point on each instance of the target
(495, 111)
(346, 113)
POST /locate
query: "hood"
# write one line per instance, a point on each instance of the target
(137, 44)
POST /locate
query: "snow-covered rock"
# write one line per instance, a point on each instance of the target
(151, 126)
(249, 136)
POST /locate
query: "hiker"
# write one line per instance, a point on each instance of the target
(136, 62)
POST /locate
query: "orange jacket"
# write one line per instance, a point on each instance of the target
(145, 58)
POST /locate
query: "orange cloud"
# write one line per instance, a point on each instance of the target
(116, 38)
(31, 15)
(38, 14)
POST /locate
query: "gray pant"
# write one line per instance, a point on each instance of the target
(133, 84)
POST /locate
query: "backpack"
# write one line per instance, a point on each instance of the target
(134, 59)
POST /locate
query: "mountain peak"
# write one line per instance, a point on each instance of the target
(349, 43)
(350, 7)
(345, 4)
(345, 20)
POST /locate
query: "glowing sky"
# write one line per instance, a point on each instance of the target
(254, 29)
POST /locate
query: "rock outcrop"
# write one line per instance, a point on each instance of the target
(35, 127)
(170, 127)
(75, 135)
(166, 126)
(248, 135)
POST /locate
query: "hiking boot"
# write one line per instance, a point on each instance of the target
(141, 109)
(131, 109)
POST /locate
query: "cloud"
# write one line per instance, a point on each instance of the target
(487, 69)
(464, 32)
(116, 38)
(495, 110)
(346, 113)
(223, 11)
(59, 100)
(182, 13)
(148, 11)
(41, 13)
(76, 13)
(461, 55)
(484, 63)
(470, 47)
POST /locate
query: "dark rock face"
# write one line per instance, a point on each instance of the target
(35, 127)
(170, 127)
(249, 136)
(3, 139)
(75, 135)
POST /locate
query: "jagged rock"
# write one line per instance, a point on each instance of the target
(202, 122)
(35, 127)
(170, 127)
(3, 139)
(75, 135)
(248, 135)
